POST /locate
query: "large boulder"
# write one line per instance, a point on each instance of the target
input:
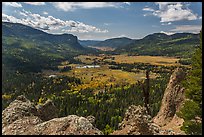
(23, 126)
(19, 108)
(91, 119)
(21, 117)
(137, 122)
(47, 110)
(70, 125)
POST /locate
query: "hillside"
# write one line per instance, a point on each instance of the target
(160, 44)
(28, 49)
(114, 42)
(89, 42)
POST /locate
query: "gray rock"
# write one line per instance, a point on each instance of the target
(22, 118)
(136, 122)
(172, 99)
(23, 126)
(91, 119)
(18, 109)
(70, 125)
(47, 111)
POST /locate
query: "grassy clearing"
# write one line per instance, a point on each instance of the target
(154, 60)
(100, 77)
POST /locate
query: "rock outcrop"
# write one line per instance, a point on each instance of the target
(172, 100)
(47, 111)
(21, 117)
(19, 108)
(166, 122)
(70, 125)
(137, 122)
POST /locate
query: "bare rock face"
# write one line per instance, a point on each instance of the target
(19, 108)
(166, 122)
(47, 111)
(21, 117)
(91, 119)
(23, 126)
(70, 125)
(172, 99)
(137, 122)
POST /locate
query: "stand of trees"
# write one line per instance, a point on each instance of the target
(192, 109)
(142, 66)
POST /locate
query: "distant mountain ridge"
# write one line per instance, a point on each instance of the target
(179, 44)
(27, 32)
(89, 42)
(27, 49)
(114, 42)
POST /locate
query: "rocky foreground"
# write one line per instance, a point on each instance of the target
(166, 122)
(22, 117)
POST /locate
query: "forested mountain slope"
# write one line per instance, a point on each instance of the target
(114, 42)
(179, 44)
(28, 49)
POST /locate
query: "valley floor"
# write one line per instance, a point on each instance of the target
(103, 76)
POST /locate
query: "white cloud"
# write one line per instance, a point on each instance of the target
(45, 13)
(122, 35)
(169, 23)
(167, 33)
(183, 29)
(71, 6)
(164, 5)
(51, 24)
(187, 28)
(12, 4)
(22, 13)
(35, 3)
(128, 3)
(7, 18)
(174, 11)
(147, 9)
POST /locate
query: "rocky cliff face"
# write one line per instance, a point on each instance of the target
(172, 101)
(166, 122)
(21, 117)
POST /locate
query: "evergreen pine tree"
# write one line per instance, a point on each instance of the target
(191, 112)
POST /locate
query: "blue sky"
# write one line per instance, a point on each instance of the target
(103, 20)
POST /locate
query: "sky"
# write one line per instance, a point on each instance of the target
(104, 20)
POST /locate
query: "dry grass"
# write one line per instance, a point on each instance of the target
(103, 48)
(99, 77)
(154, 60)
